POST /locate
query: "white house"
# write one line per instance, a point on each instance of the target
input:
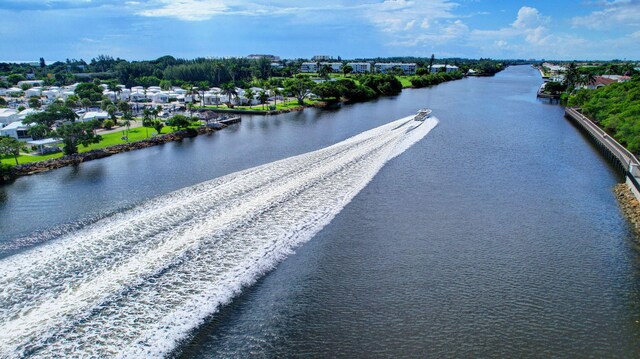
(66, 94)
(440, 67)
(33, 92)
(110, 95)
(14, 91)
(95, 115)
(17, 130)
(125, 94)
(138, 96)
(3, 91)
(407, 68)
(7, 115)
(309, 67)
(26, 112)
(360, 67)
(160, 97)
(51, 94)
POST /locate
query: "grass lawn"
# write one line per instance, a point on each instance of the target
(115, 138)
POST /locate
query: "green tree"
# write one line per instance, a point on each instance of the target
(433, 57)
(203, 86)
(158, 126)
(299, 86)
(34, 102)
(86, 103)
(9, 146)
(54, 113)
(3, 102)
(77, 133)
(347, 69)
(89, 90)
(324, 71)
(179, 121)
(263, 97)
(15, 78)
(248, 94)
(229, 89)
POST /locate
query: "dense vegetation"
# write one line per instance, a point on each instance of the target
(170, 71)
(434, 79)
(616, 108)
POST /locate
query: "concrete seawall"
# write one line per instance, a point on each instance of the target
(624, 161)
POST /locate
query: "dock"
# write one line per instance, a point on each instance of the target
(230, 120)
(623, 160)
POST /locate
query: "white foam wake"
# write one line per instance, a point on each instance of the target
(136, 283)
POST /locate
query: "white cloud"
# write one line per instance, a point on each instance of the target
(528, 18)
(188, 10)
(613, 15)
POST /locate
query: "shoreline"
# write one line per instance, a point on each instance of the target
(629, 206)
(32, 168)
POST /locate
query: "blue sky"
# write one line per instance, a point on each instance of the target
(137, 29)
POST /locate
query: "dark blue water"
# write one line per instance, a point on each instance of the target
(496, 235)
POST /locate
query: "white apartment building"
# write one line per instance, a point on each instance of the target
(439, 67)
(360, 67)
(313, 66)
(407, 68)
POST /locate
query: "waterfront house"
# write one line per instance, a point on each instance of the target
(17, 130)
(7, 116)
(95, 115)
(46, 145)
(443, 68)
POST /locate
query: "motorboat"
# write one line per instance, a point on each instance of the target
(423, 114)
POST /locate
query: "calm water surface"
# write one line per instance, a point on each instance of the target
(496, 235)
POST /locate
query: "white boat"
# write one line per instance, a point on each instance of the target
(423, 114)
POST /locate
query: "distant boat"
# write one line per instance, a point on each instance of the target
(423, 114)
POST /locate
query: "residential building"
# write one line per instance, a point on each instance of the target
(263, 56)
(95, 115)
(384, 67)
(309, 67)
(443, 68)
(360, 67)
(7, 116)
(17, 130)
(321, 58)
(313, 66)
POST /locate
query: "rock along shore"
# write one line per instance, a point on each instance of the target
(629, 205)
(69, 160)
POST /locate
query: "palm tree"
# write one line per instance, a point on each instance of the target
(587, 79)
(263, 97)
(275, 91)
(229, 90)
(248, 93)
(571, 77)
(203, 86)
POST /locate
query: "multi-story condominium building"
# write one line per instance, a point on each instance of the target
(313, 66)
(360, 67)
(407, 68)
(439, 68)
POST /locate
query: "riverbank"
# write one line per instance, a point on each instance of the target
(70, 160)
(629, 205)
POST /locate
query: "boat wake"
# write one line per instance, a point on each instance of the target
(136, 283)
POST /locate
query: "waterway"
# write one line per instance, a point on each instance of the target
(494, 233)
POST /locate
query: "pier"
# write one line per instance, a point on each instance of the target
(618, 155)
(230, 120)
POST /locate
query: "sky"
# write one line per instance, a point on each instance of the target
(144, 30)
